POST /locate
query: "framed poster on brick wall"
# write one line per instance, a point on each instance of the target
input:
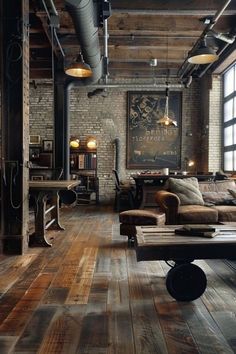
(151, 145)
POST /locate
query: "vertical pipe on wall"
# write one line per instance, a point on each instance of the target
(66, 166)
(117, 154)
(61, 120)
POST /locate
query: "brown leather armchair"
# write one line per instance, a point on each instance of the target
(169, 203)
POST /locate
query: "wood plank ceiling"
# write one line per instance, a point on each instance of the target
(138, 32)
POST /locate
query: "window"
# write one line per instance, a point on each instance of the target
(229, 119)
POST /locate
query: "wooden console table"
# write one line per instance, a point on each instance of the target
(42, 191)
(148, 183)
(185, 281)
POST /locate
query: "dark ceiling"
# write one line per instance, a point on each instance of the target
(138, 32)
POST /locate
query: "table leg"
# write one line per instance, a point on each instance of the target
(138, 198)
(38, 237)
(55, 212)
(186, 282)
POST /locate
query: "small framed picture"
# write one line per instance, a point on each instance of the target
(47, 145)
(34, 139)
(37, 178)
(34, 152)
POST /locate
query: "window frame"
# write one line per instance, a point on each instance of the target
(231, 122)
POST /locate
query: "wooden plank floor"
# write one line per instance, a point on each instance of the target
(88, 294)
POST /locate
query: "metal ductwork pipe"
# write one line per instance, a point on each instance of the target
(85, 21)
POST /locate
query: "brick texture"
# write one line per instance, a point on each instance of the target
(105, 118)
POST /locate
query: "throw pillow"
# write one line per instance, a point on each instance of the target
(223, 186)
(217, 198)
(232, 192)
(187, 189)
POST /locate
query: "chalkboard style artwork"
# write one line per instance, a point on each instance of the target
(149, 144)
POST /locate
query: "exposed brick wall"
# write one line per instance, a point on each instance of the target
(106, 119)
(215, 124)
(41, 111)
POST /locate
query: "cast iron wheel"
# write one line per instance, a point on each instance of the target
(186, 282)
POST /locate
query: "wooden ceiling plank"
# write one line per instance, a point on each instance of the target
(173, 6)
(146, 54)
(154, 23)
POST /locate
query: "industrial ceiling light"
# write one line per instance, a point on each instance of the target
(166, 120)
(203, 54)
(79, 68)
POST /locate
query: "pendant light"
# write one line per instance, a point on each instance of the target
(203, 54)
(79, 68)
(166, 120)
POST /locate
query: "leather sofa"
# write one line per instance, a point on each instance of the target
(219, 203)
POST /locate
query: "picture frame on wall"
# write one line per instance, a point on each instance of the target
(47, 145)
(151, 145)
(34, 152)
(34, 140)
(37, 178)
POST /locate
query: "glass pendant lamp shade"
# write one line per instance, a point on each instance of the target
(79, 68)
(166, 120)
(203, 55)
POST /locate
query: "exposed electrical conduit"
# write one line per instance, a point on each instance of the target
(54, 12)
(127, 85)
(105, 48)
(58, 42)
(204, 33)
(52, 7)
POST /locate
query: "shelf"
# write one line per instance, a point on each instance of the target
(83, 166)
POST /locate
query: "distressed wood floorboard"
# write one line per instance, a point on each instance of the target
(87, 294)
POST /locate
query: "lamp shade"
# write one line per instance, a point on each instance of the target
(166, 120)
(91, 143)
(203, 55)
(78, 68)
(74, 143)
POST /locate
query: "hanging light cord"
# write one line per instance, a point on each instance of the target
(166, 113)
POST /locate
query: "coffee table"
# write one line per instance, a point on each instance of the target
(185, 281)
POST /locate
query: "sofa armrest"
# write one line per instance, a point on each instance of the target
(169, 203)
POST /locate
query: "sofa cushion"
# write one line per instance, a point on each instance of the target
(207, 186)
(187, 190)
(197, 214)
(218, 198)
(225, 212)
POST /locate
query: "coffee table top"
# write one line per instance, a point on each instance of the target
(161, 243)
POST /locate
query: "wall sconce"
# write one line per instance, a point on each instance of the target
(74, 143)
(91, 143)
(188, 163)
